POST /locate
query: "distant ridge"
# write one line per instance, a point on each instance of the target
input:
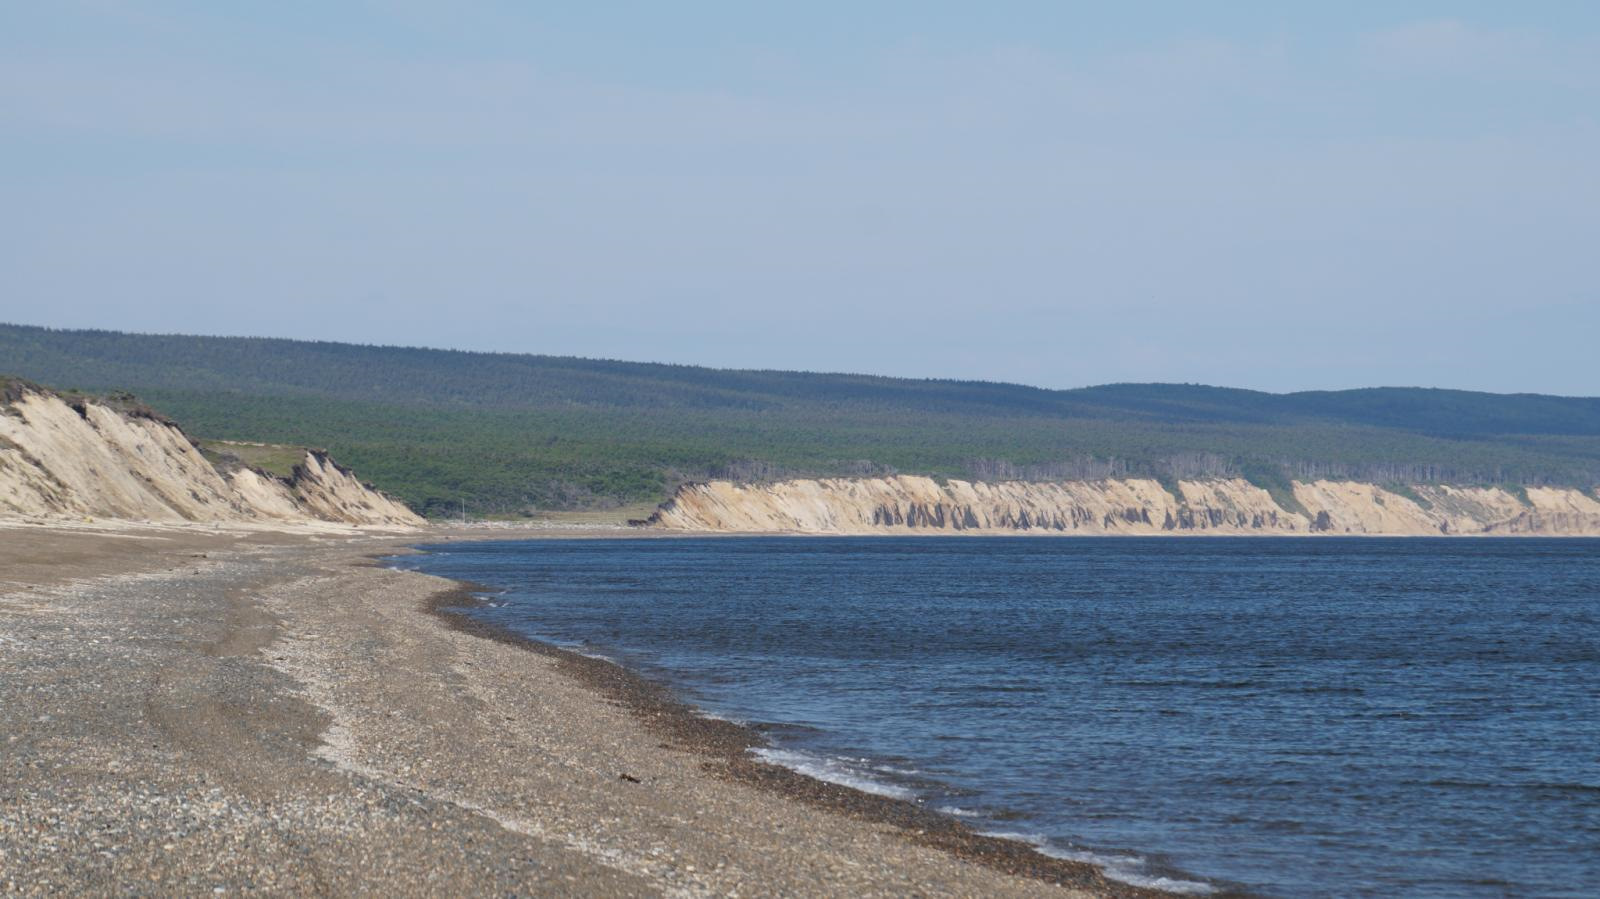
(504, 432)
(414, 374)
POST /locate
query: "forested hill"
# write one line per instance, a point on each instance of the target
(505, 432)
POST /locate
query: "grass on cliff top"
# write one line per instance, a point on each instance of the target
(278, 460)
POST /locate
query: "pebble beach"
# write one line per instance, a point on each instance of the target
(200, 712)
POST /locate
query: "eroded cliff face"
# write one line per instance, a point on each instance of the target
(1120, 506)
(61, 460)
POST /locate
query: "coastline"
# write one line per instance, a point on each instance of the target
(726, 746)
(251, 710)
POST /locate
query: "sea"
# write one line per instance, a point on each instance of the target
(1275, 716)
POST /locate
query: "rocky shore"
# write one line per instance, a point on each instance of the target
(206, 712)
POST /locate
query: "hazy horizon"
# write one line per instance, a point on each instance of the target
(1059, 195)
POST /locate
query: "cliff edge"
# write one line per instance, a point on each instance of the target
(71, 458)
(906, 504)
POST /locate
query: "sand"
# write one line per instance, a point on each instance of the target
(913, 504)
(195, 712)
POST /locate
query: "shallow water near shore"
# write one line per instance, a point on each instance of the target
(1296, 717)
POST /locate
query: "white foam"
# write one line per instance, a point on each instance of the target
(1128, 869)
(894, 769)
(959, 812)
(832, 770)
(1028, 838)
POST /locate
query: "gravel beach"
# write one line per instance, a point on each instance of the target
(189, 711)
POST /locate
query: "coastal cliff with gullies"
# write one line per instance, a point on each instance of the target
(1131, 506)
(71, 458)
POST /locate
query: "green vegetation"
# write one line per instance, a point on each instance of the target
(1169, 483)
(1409, 492)
(504, 434)
(1276, 481)
(274, 459)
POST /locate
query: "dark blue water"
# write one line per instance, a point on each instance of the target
(1298, 717)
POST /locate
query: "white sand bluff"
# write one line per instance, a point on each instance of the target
(62, 460)
(1122, 506)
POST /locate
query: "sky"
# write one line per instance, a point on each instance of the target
(1272, 195)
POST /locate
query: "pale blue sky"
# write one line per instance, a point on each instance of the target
(1262, 194)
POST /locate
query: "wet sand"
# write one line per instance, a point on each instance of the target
(200, 712)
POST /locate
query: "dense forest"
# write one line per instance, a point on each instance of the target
(507, 434)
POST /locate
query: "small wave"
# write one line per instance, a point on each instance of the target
(1128, 869)
(1199, 684)
(1323, 689)
(893, 769)
(1507, 785)
(832, 770)
(786, 727)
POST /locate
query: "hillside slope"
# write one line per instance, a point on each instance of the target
(502, 433)
(76, 458)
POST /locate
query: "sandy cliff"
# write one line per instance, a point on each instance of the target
(1120, 506)
(77, 459)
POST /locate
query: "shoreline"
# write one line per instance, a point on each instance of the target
(198, 711)
(1046, 534)
(728, 745)
(249, 709)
